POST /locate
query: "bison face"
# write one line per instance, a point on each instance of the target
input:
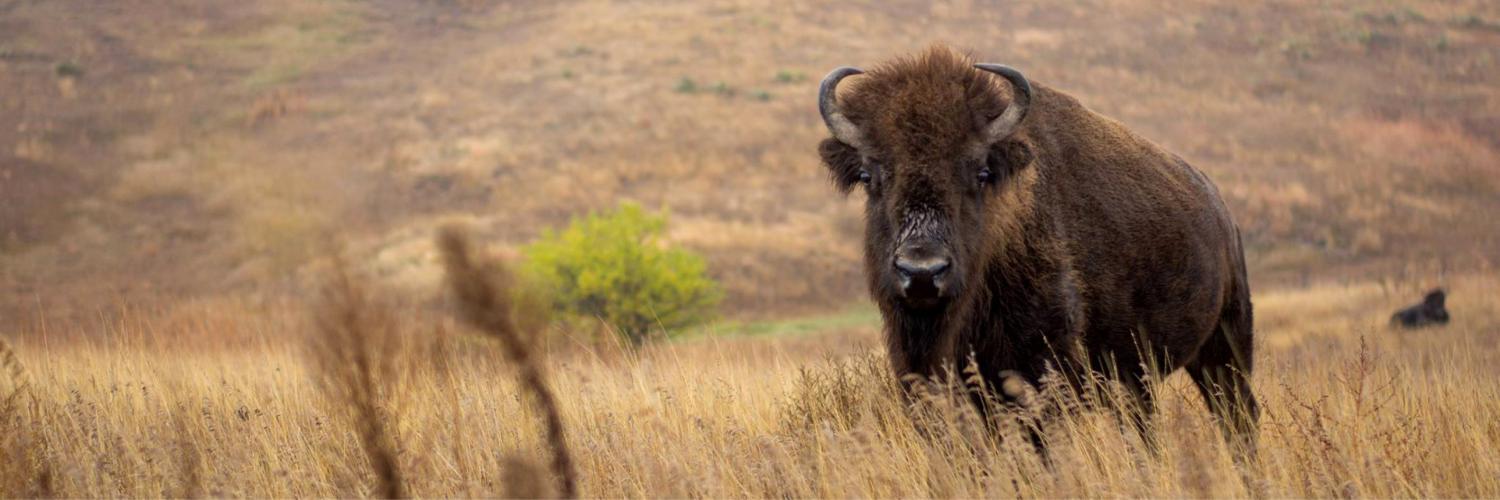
(934, 156)
(925, 219)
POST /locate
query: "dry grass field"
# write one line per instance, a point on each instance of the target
(172, 173)
(227, 399)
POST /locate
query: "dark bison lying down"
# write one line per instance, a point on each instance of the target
(1430, 312)
(1006, 220)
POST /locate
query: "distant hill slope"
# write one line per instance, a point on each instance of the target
(186, 147)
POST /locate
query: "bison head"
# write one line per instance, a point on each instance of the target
(931, 141)
(1434, 299)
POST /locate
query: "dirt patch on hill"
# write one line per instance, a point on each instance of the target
(34, 202)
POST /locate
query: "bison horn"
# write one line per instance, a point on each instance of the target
(1006, 123)
(838, 124)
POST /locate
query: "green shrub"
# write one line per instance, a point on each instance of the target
(68, 69)
(615, 267)
(790, 76)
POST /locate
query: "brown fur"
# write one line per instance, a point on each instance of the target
(1430, 311)
(1089, 236)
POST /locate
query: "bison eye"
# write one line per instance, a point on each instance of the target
(985, 176)
(864, 176)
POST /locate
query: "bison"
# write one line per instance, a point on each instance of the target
(1430, 312)
(1008, 224)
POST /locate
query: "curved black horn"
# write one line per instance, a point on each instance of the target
(842, 129)
(1006, 123)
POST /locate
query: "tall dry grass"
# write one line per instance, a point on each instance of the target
(483, 290)
(359, 362)
(1351, 408)
(25, 470)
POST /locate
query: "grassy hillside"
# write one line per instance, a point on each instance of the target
(186, 147)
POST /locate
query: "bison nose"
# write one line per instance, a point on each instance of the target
(926, 268)
(921, 273)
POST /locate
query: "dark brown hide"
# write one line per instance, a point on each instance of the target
(1430, 312)
(1072, 242)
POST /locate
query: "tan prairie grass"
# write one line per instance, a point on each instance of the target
(24, 467)
(1351, 409)
(484, 294)
(359, 362)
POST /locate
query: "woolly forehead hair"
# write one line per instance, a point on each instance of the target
(927, 103)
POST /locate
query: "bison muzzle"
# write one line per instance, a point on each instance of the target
(1008, 224)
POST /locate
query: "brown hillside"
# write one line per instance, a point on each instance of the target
(188, 147)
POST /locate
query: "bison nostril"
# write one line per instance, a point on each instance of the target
(922, 268)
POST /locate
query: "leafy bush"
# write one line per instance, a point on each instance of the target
(615, 267)
(68, 69)
(790, 76)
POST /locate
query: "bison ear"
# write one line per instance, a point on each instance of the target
(843, 162)
(1009, 156)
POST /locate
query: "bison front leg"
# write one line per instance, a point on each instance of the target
(1020, 392)
(1140, 414)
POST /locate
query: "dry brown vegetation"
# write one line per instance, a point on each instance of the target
(157, 404)
(483, 291)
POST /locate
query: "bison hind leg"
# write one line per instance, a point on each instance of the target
(1222, 373)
